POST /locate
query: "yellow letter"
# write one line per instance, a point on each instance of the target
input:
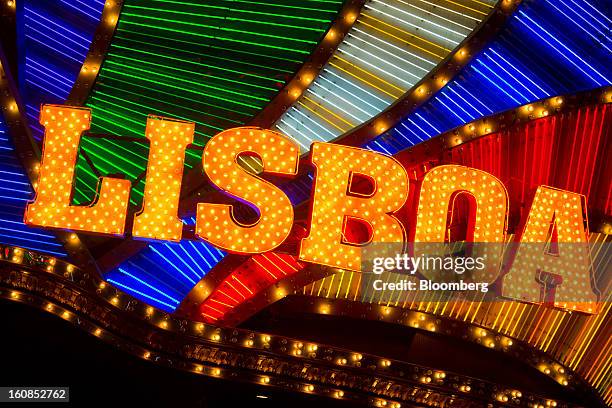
(336, 202)
(51, 208)
(215, 222)
(488, 220)
(563, 211)
(158, 219)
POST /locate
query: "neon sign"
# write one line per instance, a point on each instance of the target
(352, 186)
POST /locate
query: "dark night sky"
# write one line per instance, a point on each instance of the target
(38, 349)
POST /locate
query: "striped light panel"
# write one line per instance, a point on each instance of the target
(216, 63)
(15, 191)
(164, 273)
(56, 36)
(257, 275)
(548, 48)
(392, 46)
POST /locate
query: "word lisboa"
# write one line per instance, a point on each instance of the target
(337, 201)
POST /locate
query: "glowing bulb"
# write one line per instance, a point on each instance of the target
(351, 17)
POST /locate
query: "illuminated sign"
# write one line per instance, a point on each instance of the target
(354, 189)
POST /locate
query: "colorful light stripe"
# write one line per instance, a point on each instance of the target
(543, 51)
(164, 273)
(15, 192)
(214, 63)
(261, 272)
(392, 46)
(56, 38)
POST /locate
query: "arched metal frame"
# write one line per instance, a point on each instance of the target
(223, 305)
(269, 360)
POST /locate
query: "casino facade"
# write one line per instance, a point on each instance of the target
(521, 90)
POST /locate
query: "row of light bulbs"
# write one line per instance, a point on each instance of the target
(266, 339)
